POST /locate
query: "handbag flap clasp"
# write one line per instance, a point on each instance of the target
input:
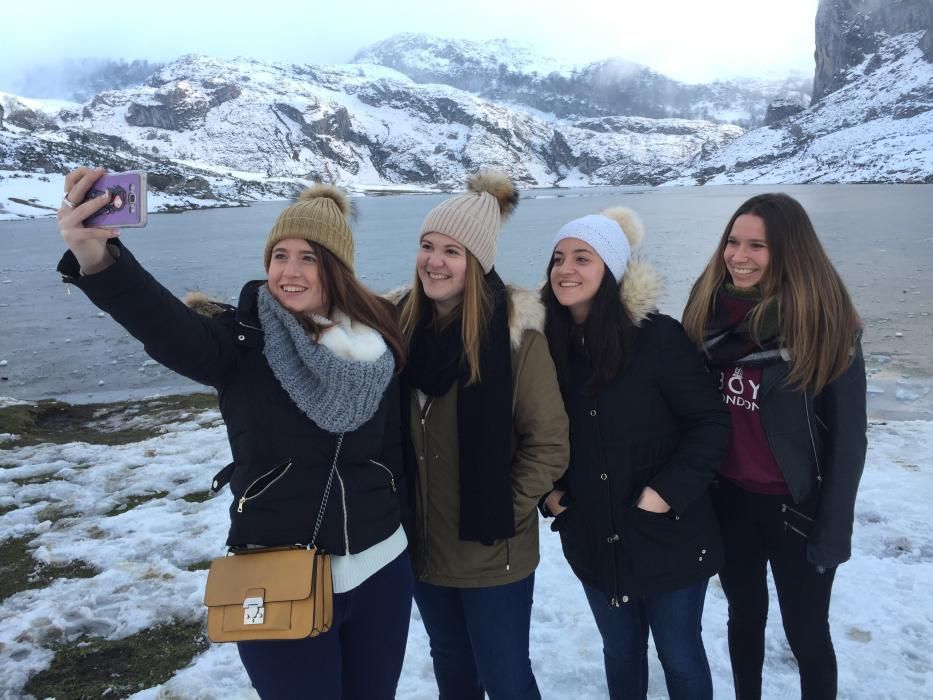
(254, 611)
(279, 575)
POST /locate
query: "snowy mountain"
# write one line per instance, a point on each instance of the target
(417, 112)
(874, 122)
(505, 71)
(849, 30)
(246, 129)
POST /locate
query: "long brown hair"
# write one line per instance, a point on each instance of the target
(817, 318)
(345, 292)
(608, 329)
(474, 313)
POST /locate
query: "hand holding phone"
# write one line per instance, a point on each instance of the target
(127, 206)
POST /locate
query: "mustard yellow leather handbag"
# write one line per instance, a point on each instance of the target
(267, 593)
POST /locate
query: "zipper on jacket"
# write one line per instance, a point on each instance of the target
(508, 556)
(346, 514)
(424, 511)
(243, 323)
(787, 509)
(788, 526)
(614, 600)
(245, 498)
(388, 471)
(816, 457)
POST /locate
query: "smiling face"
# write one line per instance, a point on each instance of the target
(295, 277)
(576, 274)
(442, 265)
(746, 253)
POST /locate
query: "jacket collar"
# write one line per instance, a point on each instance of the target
(247, 310)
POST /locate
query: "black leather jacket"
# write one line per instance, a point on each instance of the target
(820, 443)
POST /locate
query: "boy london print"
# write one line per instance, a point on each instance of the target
(741, 389)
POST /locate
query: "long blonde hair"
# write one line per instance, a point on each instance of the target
(475, 311)
(817, 318)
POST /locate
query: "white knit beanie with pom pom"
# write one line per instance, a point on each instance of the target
(320, 215)
(612, 235)
(474, 218)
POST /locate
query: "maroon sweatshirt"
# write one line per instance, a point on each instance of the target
(749, 462)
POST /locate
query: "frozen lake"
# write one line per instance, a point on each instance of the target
(879, 236)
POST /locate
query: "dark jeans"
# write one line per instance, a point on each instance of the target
(479, 639)
(757, 531)
(360, 657)
(674, 619)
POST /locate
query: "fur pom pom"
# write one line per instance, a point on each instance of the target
(332, 192)
(630, 222)
(499, 186)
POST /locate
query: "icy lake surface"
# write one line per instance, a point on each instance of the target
(880, 237)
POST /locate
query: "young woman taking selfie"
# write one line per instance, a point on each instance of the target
(305, 368)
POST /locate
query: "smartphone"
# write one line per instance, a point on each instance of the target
(127, 207)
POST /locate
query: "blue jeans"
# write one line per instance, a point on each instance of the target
(479, 639)
(359, 658)
(674, 619)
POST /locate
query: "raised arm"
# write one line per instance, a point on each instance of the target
(196, 347)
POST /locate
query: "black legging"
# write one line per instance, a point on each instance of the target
(758, 529)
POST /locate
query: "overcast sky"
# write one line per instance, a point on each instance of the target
(692, 40)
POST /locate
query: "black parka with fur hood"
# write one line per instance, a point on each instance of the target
(281, 459)
(659, 423)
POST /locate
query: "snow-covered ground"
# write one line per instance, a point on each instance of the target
(882, 610)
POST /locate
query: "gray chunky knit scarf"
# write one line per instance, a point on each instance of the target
(338, 394)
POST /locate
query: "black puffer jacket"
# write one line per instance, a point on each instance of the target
(281, 459)
(819, 443)
(660, 423)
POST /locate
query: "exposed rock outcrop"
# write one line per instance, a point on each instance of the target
(849, 30)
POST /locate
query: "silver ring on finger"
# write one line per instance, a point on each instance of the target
(67, 202)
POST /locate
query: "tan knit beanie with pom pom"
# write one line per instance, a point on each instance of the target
(320, 215)
(474, 218)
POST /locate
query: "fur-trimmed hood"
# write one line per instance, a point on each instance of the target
(204, 305)
(641, 287)
(526, 311)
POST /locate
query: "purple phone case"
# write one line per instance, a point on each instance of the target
(129, 190)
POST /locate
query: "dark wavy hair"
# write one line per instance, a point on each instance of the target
(608, 330)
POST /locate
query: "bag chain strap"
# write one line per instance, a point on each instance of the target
(330, 480)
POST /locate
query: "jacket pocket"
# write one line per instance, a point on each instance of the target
(388, 472)
(258, 486)
(796, 521)
(574, 539)
(657, 544)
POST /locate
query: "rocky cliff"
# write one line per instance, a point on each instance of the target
(848, 31)
(876, 127)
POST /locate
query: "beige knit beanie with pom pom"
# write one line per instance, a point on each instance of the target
(320, 215)
(474, 218)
